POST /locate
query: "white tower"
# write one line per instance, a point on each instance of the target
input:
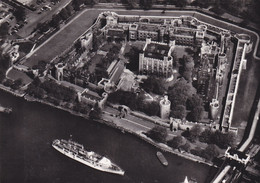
(165, 106)
(214, 107)
(59, 71)
(102, 102)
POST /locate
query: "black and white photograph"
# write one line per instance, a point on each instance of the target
(129, 91)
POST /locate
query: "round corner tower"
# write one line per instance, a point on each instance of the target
(214, 107)
(165, 107)
(102, 102)
(59, 71)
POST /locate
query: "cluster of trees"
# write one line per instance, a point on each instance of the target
(195, 105)
(4, 29)
(80, 107)
(134, 102)
(154, 85)
(95, 112)
(215, 140)
(210, 152)
(41, 66)
(183, 97)
(19, 13)
(15, 85)
(187, 66)
(158, 134)
(54, 90)
(64, 14)
(182, 94)
(222, 140)
(133, 57)
(112, 54)
(78, 3)
(5, 63)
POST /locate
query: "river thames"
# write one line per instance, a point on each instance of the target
(26, 154)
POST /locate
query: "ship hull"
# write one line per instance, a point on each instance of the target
(87, 162)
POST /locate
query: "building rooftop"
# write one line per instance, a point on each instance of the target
(148, 27)
(183, 32)
(240, 154)
(116, 33)
(158, 51)
(91, 95)
(118, 70)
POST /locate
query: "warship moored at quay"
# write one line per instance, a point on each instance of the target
(77, 152)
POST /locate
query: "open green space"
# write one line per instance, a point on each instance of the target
(63, 39)
(249, 82)
(15, 74)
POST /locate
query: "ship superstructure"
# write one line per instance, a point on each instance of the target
(77, 152)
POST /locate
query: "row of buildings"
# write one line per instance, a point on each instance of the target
(182, 30)
(161, 36)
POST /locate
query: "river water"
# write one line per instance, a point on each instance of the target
(26, 154)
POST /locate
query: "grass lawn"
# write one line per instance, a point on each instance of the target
(180, 51)
(64, 39)
(25, 47)
(15, 74)
(106, 47)
(249, 82)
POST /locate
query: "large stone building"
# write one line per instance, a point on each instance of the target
(156, 58)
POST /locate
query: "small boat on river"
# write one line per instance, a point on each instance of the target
(6, 110)
(162, 159)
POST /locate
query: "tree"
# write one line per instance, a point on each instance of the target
(17, 84)
(195, 132)
(5, 62)
(4, 29)
(2, 76)
(223, 140)
(180, 92)
(188, 67)
(179, 112)
(206, 136)
(186, 147)
(19, 13)
(150, 108)
(69, 9)
(64, 14)
(176, 142)
(43, 27)
(195, 104)
(41, 66)
(133, 57)
(55, 21)
(210, 152)
(8, 83)
(153, 84)
(158, 133)
(146, 4)
(95, 112)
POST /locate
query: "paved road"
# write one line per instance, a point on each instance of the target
(131, 122)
